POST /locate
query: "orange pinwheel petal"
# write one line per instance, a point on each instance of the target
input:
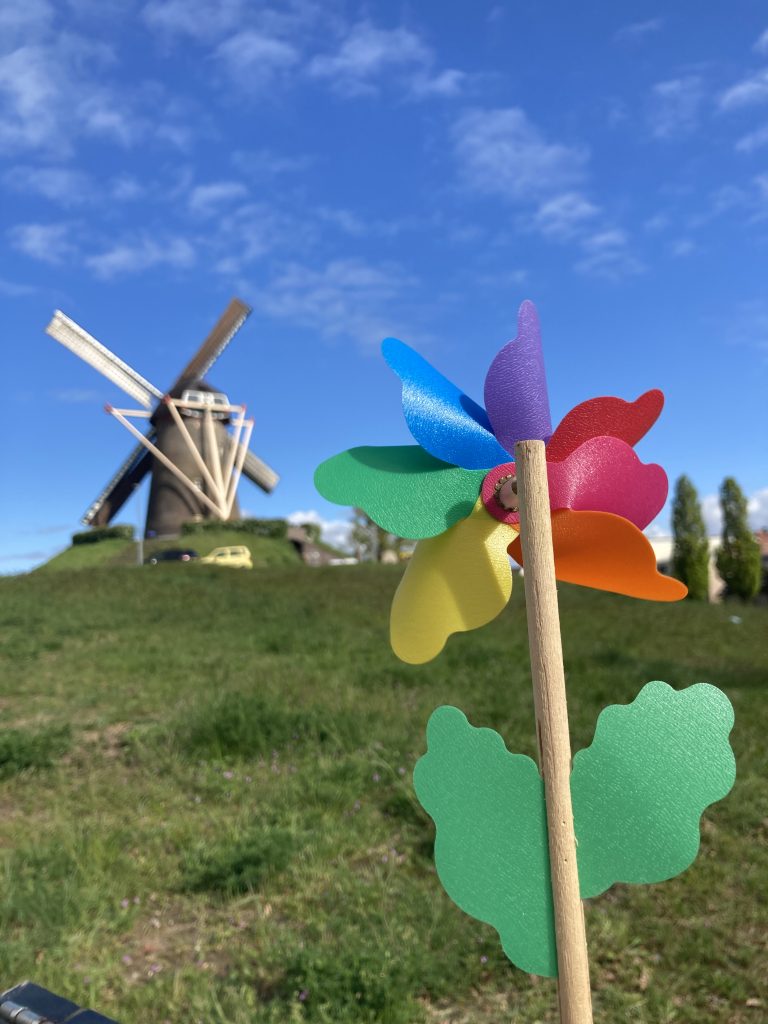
(607, 552)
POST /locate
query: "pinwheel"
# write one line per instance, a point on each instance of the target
(570, 504)
(455, 491)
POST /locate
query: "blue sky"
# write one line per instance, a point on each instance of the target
(354, 171)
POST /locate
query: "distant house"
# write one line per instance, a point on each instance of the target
(313, 553)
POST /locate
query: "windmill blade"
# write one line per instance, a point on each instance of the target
(121, 486)
(259, 472)
(227, 326)
(79, 341)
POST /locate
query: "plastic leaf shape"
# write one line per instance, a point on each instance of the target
(455, 582)
(640, 789)
(607, 552)
(491, 841)
(516, 386)
(605, 475)
(599, 417)
(441, 418)
(402, 488)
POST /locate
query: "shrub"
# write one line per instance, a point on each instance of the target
(97, 533)
(275, 529)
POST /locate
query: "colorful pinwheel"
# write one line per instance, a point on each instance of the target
(455, 491)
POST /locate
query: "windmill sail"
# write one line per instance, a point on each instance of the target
(120, 487)
(227, 326)
(91, 351)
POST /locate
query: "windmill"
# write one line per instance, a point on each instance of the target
(195, 445)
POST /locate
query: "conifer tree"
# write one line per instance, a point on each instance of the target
(738, 560)
(690, 554)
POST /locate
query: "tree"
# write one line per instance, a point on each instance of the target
(738, 560)
(690, 554)
(370, 540)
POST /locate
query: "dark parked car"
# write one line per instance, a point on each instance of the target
(173, 555)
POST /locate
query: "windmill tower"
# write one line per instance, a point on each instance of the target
(194, 443)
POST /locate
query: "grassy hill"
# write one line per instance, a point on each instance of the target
(114, 552)
(205, 780)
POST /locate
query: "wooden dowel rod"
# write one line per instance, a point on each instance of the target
(546, 649)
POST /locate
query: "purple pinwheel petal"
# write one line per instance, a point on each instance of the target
(516, 386)
(444, 421)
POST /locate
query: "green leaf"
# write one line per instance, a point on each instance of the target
(491, 842)
(403, 488)
(640, 789)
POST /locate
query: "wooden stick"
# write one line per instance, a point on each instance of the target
(552, 728)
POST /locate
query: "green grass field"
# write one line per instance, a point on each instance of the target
(114, 553)
(205, 784)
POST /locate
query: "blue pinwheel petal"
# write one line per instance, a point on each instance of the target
(443, 420)
(516, 386)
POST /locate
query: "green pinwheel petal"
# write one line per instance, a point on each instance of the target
(491, 842)
(403, 488)
(640, 789)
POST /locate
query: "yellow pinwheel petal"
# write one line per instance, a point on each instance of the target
(454, 582)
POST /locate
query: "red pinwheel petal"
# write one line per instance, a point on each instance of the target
(605, 417)
(605, 475)
(604, 551)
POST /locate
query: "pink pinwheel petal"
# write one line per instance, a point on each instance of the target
(605, 475)
(605, 417)
(516, 397)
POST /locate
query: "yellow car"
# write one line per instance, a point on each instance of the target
(236, 558)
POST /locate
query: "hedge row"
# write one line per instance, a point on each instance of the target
(274, 528)
(97, 533)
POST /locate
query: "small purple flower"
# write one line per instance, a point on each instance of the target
(125, 903)
(483, 959)
(228, 775)
(127, 959)
(376, 777)
(303, 995)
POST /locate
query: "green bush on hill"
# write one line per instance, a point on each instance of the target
(98, 533)
(273, 528)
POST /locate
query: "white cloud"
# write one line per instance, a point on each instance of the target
(24, 21)
(369, 57)
(336, 532)
(638, 30)
(345, 299)
(208, 199)
(761, 43)
(607, 254)
(366, 53)
(125, 188)
(77, 396)
(564, 215)
(264, 163)
(753, 140)
(746, 93)
(49, 243)
(137, 256)
(200, 19)
(675, 105)
(500, 152)
(54, 91)
(757, 509)
(13, 289)
(63, 185)
(253, 59)
(683, 247)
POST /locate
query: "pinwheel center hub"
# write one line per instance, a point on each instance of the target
(499, 494)
(506, 493)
